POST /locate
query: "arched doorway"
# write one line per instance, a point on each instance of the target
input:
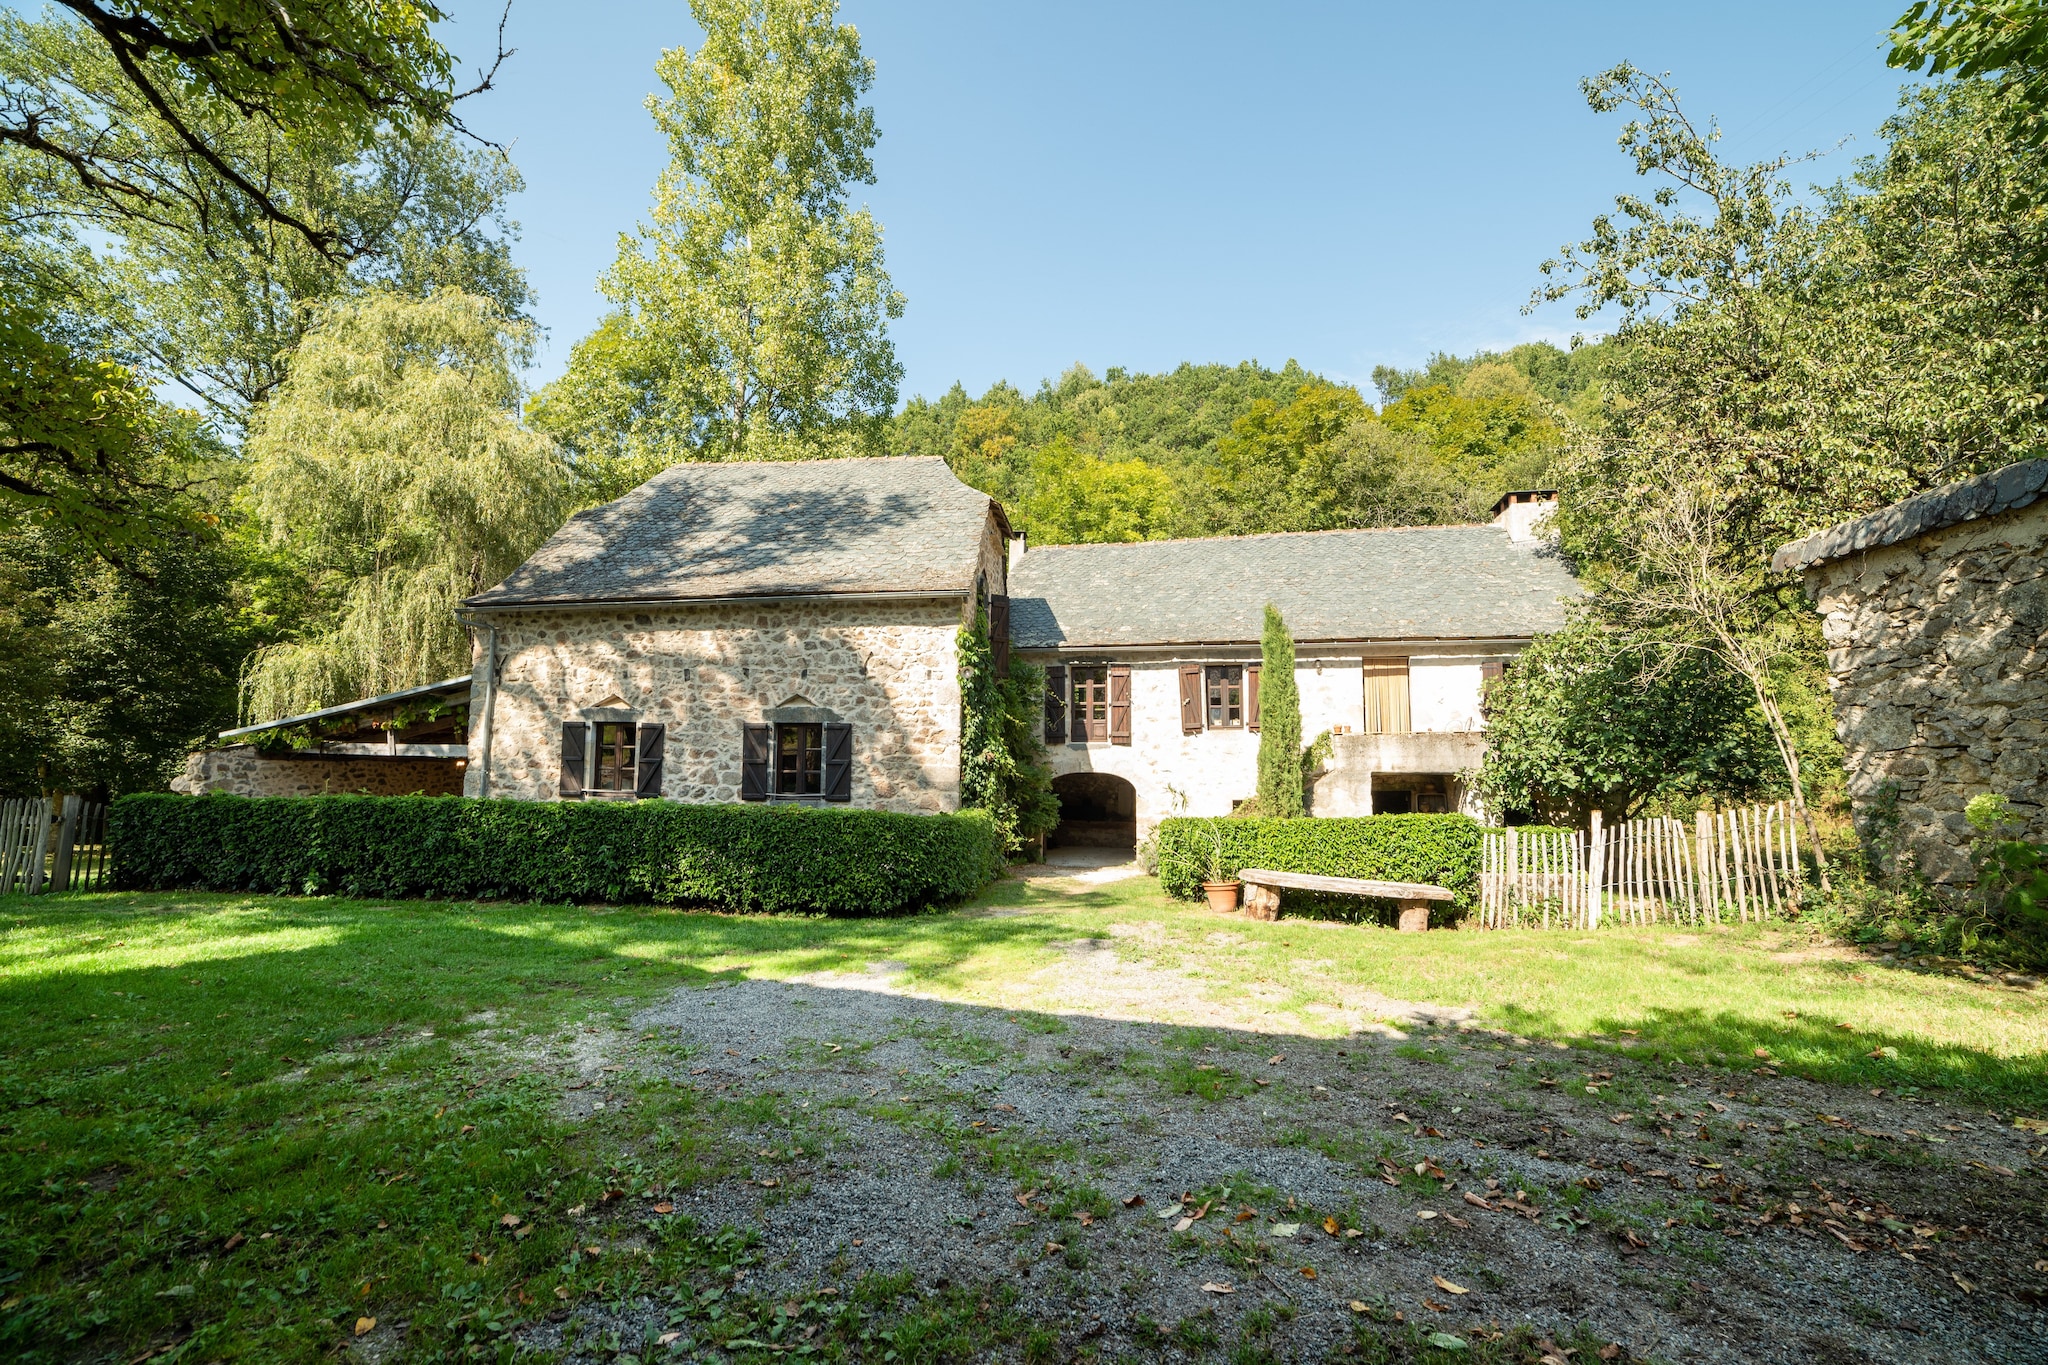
(1097, 810)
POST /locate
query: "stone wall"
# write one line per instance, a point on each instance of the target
(241, 771)
(886, 668)
(1936, 654)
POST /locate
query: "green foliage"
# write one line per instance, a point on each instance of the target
(2012, 874)
(1590, 718)
(782, 859)
(392, 468)
(1970, 38)
(751, 312)
(1442, 850)
(1002, 768)
(1280, 759)
(108, 677)
(1079, 499)
(333, 71)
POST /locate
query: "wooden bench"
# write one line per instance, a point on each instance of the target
(1262, 893)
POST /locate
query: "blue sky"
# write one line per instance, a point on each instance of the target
(1142, 184)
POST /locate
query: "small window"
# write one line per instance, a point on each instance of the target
(1090, 709)
(1226, 696)
(799, 760)
(614, 764)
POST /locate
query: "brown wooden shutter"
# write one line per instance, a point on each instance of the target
(999, 633)
(1119, 703)
(648, 746)
(575, 735)
(1251, 696)
(838, 763)
(1056, 704)
(1191, 699)
(757, 747)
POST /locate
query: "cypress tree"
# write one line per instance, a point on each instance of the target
(1279, 721)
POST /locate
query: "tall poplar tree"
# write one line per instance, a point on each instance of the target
(1279, 721)
(750, 312)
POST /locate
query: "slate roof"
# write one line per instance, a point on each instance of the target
(1987, 495)
(1420, 583)
(784, 528)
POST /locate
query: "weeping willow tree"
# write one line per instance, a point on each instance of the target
(392, 468)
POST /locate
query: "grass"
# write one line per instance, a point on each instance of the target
(243, 1124)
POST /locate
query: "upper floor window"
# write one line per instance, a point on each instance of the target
(1090, 706)
(1226, 696)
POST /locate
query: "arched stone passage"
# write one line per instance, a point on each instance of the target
(1097, 810)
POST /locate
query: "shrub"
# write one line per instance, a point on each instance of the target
(771, 858)
(1438, 849)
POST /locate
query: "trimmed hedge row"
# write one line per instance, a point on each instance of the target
(768, 858)
(1439, 849)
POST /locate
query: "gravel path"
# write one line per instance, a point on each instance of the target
(1118, 1175)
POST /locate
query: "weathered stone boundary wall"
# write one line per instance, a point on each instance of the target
(242, 771)
(1938, 660)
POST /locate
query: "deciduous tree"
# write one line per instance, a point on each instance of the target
(751, 310)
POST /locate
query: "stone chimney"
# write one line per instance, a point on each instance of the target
(1522, 514)
(1016, 551)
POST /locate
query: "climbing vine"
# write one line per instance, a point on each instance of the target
(1002, 768)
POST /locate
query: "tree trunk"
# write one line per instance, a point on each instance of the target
(1781, 735)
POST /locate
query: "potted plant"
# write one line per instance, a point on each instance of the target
(1218, 884)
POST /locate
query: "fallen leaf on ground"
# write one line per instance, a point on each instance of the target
(1170, 1211)
(1962, 1283)
(1330, 1226)
(1024, 1199)
(1085, 1218)
(1308, 1272)
(1475, 1201)
(562, 1291)
(1134, 1201)
(1425, 1214)
(234, 1242)
(1762, 1052)
(666, 1337)
(1276, 1059)
(1611, 1351)
(1359, 1307)
(1212, 1287)
(1444, 1341)
(364, 1325)
(510, 1220)
(1183, 1225)
(1447, 1286)
(520, 1234)
(1244, 1215)
(664, 1208)
(1284, 1229)
(1434, 1306)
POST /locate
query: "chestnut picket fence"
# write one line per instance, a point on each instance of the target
(1741, 864)
(54, 844)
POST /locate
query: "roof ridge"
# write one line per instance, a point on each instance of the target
(1264, 535)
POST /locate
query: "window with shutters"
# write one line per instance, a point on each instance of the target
(799, 760)
(613, 753)
(1226, 696)
(1090, 705)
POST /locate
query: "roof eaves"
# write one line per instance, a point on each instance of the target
(367, 703)
(1987, 495)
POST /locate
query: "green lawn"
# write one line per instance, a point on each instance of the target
(232, 1121)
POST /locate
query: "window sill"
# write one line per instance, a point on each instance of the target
(589, 795)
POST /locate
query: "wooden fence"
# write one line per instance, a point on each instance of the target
(54, 845)
(1731, 864)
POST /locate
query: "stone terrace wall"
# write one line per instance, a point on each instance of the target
(1938, 659)
(887, 668)
(242, 771)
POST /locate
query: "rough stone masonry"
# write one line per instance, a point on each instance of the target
(1936, 622)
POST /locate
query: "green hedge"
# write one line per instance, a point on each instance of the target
(773, 858)
(1439, 849)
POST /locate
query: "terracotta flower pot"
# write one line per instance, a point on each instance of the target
(1222, 896)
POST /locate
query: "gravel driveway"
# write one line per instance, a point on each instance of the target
(1149, 1191)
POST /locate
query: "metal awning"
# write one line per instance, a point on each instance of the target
(460, 684)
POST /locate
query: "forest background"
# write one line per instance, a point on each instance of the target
(263, 424)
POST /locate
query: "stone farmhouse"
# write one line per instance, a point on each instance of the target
(1936, 620)
(789, 632)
